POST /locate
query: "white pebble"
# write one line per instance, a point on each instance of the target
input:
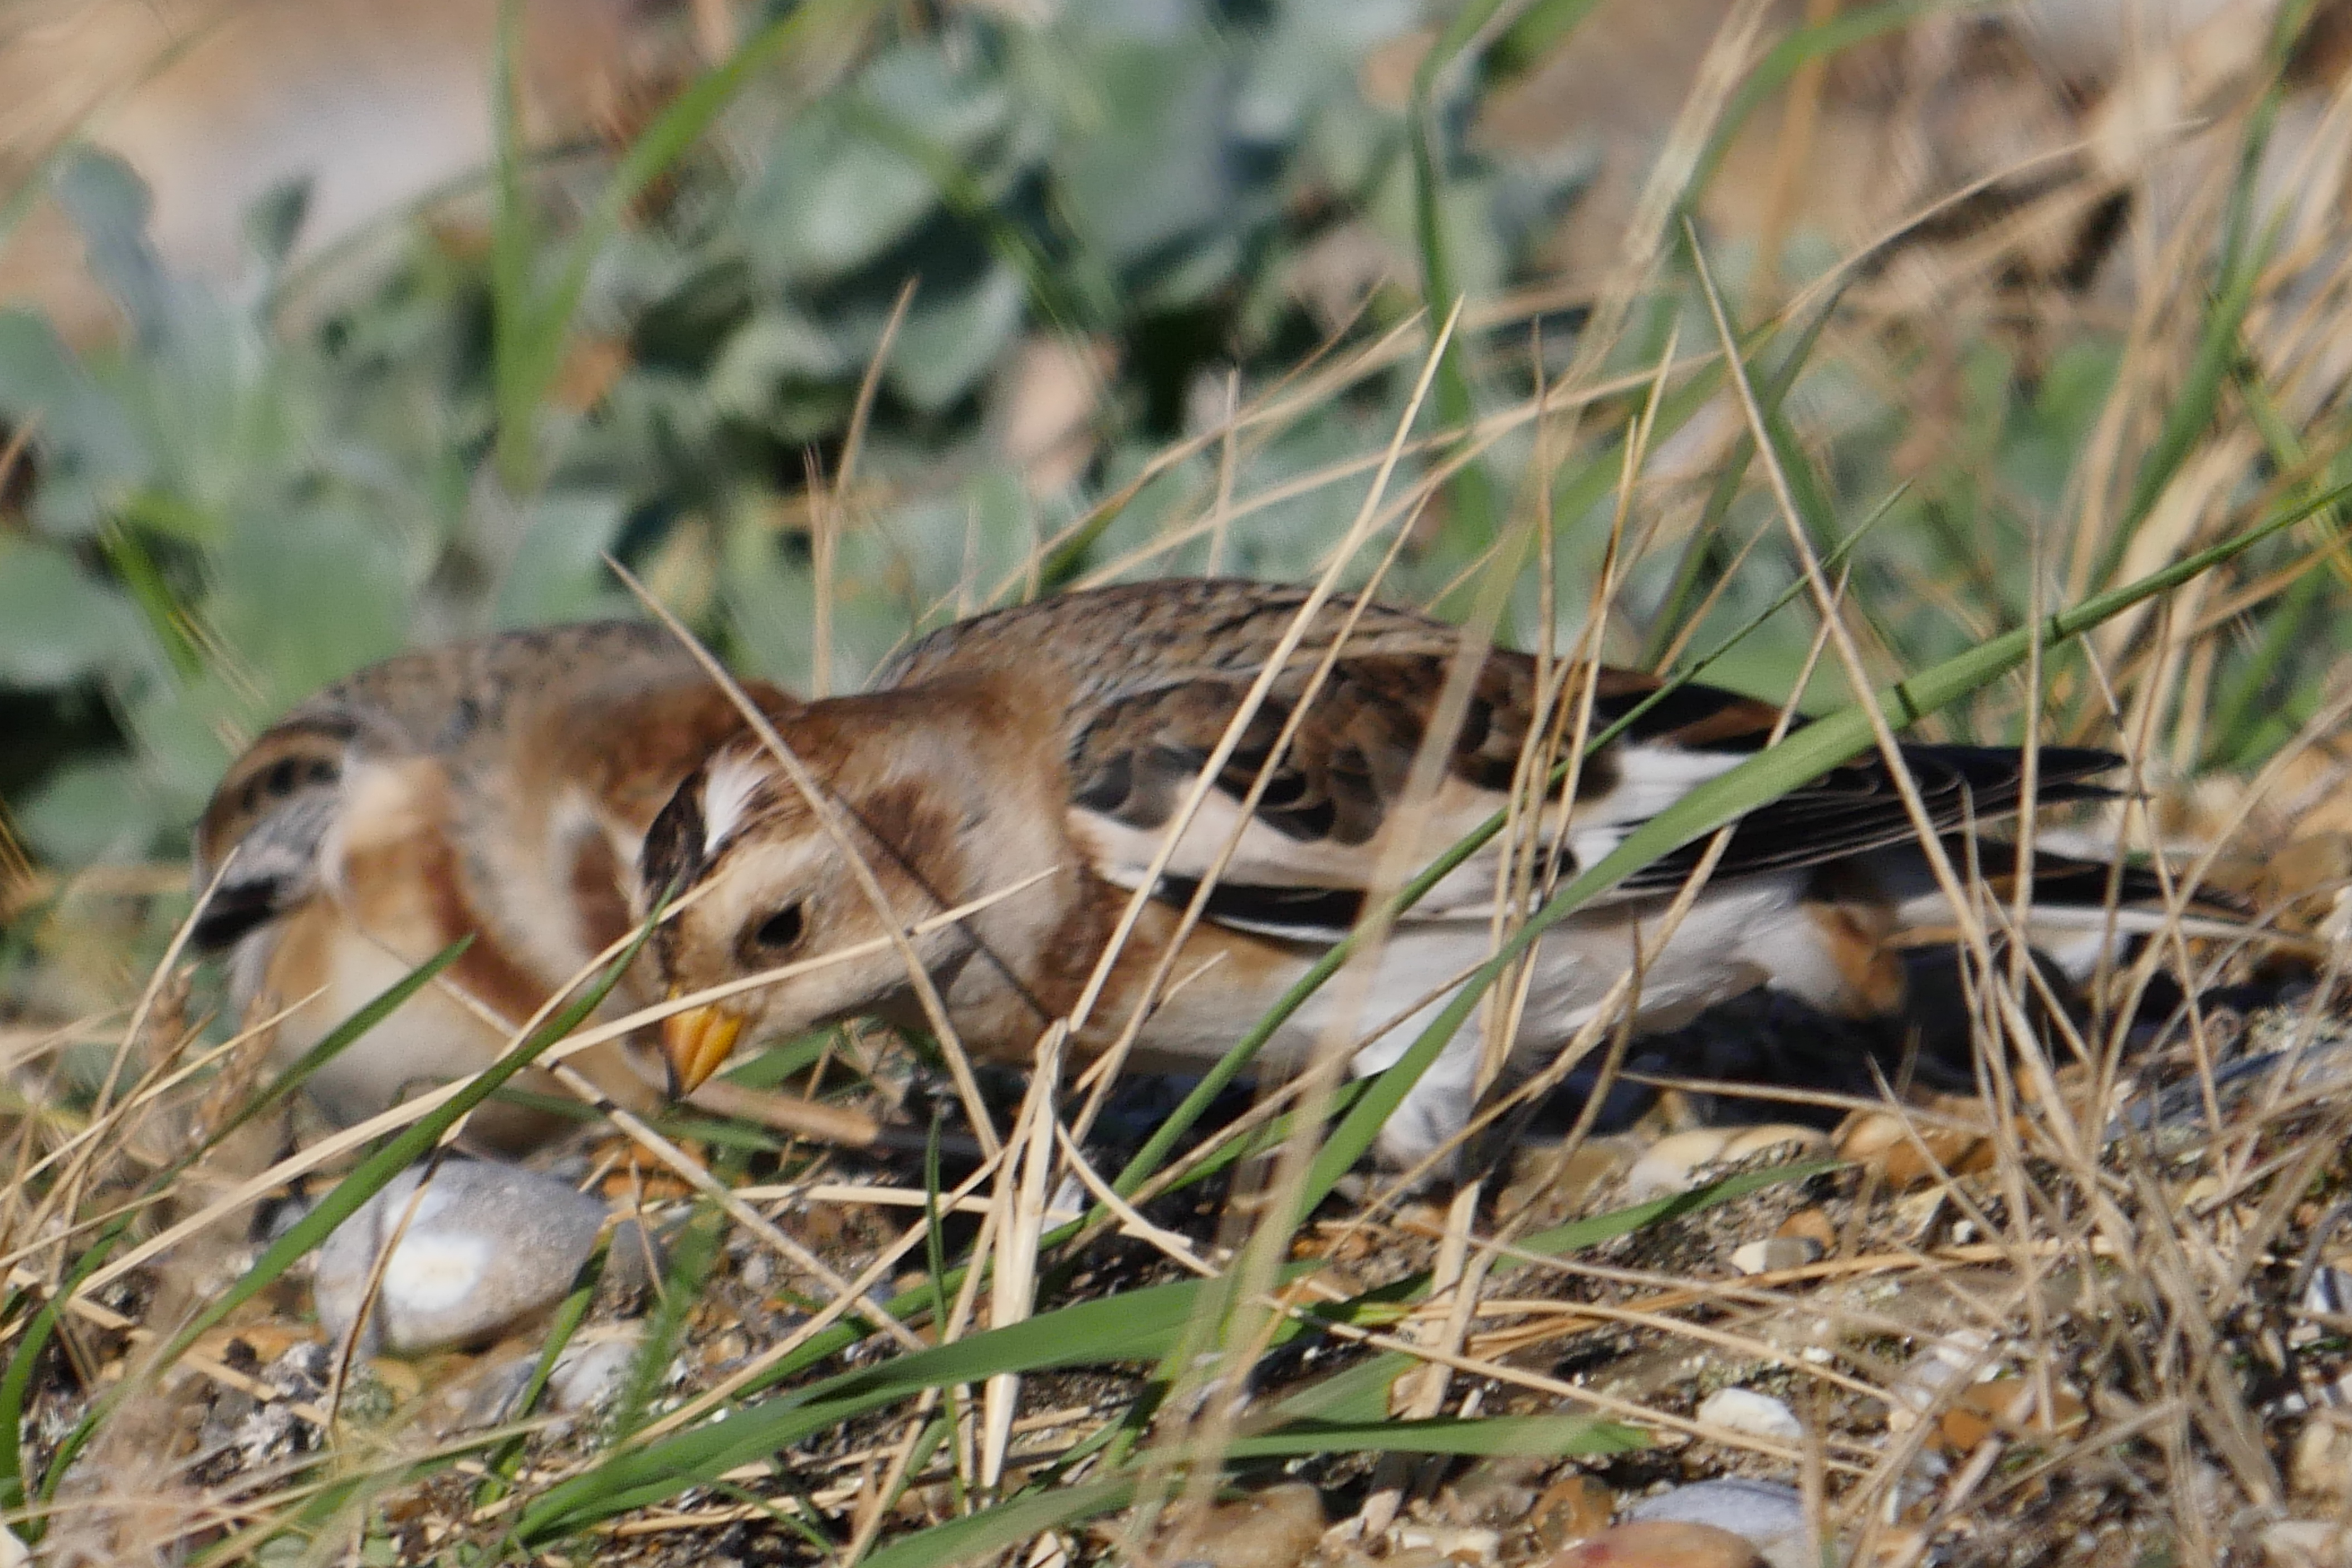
(488, 1247)
(1756, 1414)
(1775, 1253)
(1671, 1164)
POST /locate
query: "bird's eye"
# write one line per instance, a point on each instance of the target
(779, 930)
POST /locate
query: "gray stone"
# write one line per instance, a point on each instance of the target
(489, 1247)
(1768, 1517)
(587, 1373)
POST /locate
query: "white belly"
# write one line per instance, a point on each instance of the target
(1380, 1004)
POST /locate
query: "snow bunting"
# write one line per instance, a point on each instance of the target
(498, 788)
(1062, 738)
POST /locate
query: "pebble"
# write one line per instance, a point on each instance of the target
(2321, 1465)
(1275, 1528)
(1811, 1225)
(1768, 1517)
(1572, 1509)
(2328, 1295)
(1771, 1257)
(588, 1373)
(1885, 1141)
(1562, 1180)
(1960, 1354)
(1757, 1414)
(2004, 1406)
(2335, 1396)
(1466, 1547)
(1506, 1489)
(489, 1247)
(1794, 1142)
(1660, 1545)
(1671, 1164)
(2304, 1543)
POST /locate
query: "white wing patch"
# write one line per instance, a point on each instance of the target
(726, 792)
(1650, 778)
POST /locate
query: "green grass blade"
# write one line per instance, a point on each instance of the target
(1244, 1050)
(1802, 756)
(345, 1199)
(337, 1040)
(1541, 28)
(1771, 392)
(991, 1531)
(1137, 1325)
(19, 1381)
(1484, 1436)
(570, 1313)
(1361, 1393)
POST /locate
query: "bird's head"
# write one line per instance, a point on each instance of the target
(757, 881)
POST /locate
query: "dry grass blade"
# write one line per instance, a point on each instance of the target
(821, 806)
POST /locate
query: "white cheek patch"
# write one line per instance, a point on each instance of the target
(725, 792)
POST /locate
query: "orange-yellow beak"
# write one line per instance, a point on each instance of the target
(697, 1042)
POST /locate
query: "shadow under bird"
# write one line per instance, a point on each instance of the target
(1061, 738)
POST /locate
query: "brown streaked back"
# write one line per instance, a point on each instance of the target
(615, 709)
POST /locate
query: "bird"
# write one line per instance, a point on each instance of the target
(1056, 741)
(495, 789)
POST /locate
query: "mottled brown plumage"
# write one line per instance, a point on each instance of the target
(497, 788)
(1063, 737)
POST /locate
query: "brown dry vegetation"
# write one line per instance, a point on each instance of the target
(2116, 1235)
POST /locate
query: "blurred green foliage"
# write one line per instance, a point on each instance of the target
(255, 493)
(257, 490)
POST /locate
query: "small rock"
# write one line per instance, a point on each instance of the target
(2322, 1462)
(1570, 1510)
(2005, 1406)
(1893, 1144)
(1500, 1490)
(1757, 1414)
(591, 1370)
(489, 1247)
(1945, 1360)
(1771, 1257)
(2335, 1396)
(1794, 1142)
(1470, 1547)
(1918, 1213)
(2304, 1543)
(1275, 1528)
(1671, 1164)
(588, 1373)
(1768, 1516)
(1660, 1545)
(1562, 1180)
(1811, 1225)
(2328, 1295)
